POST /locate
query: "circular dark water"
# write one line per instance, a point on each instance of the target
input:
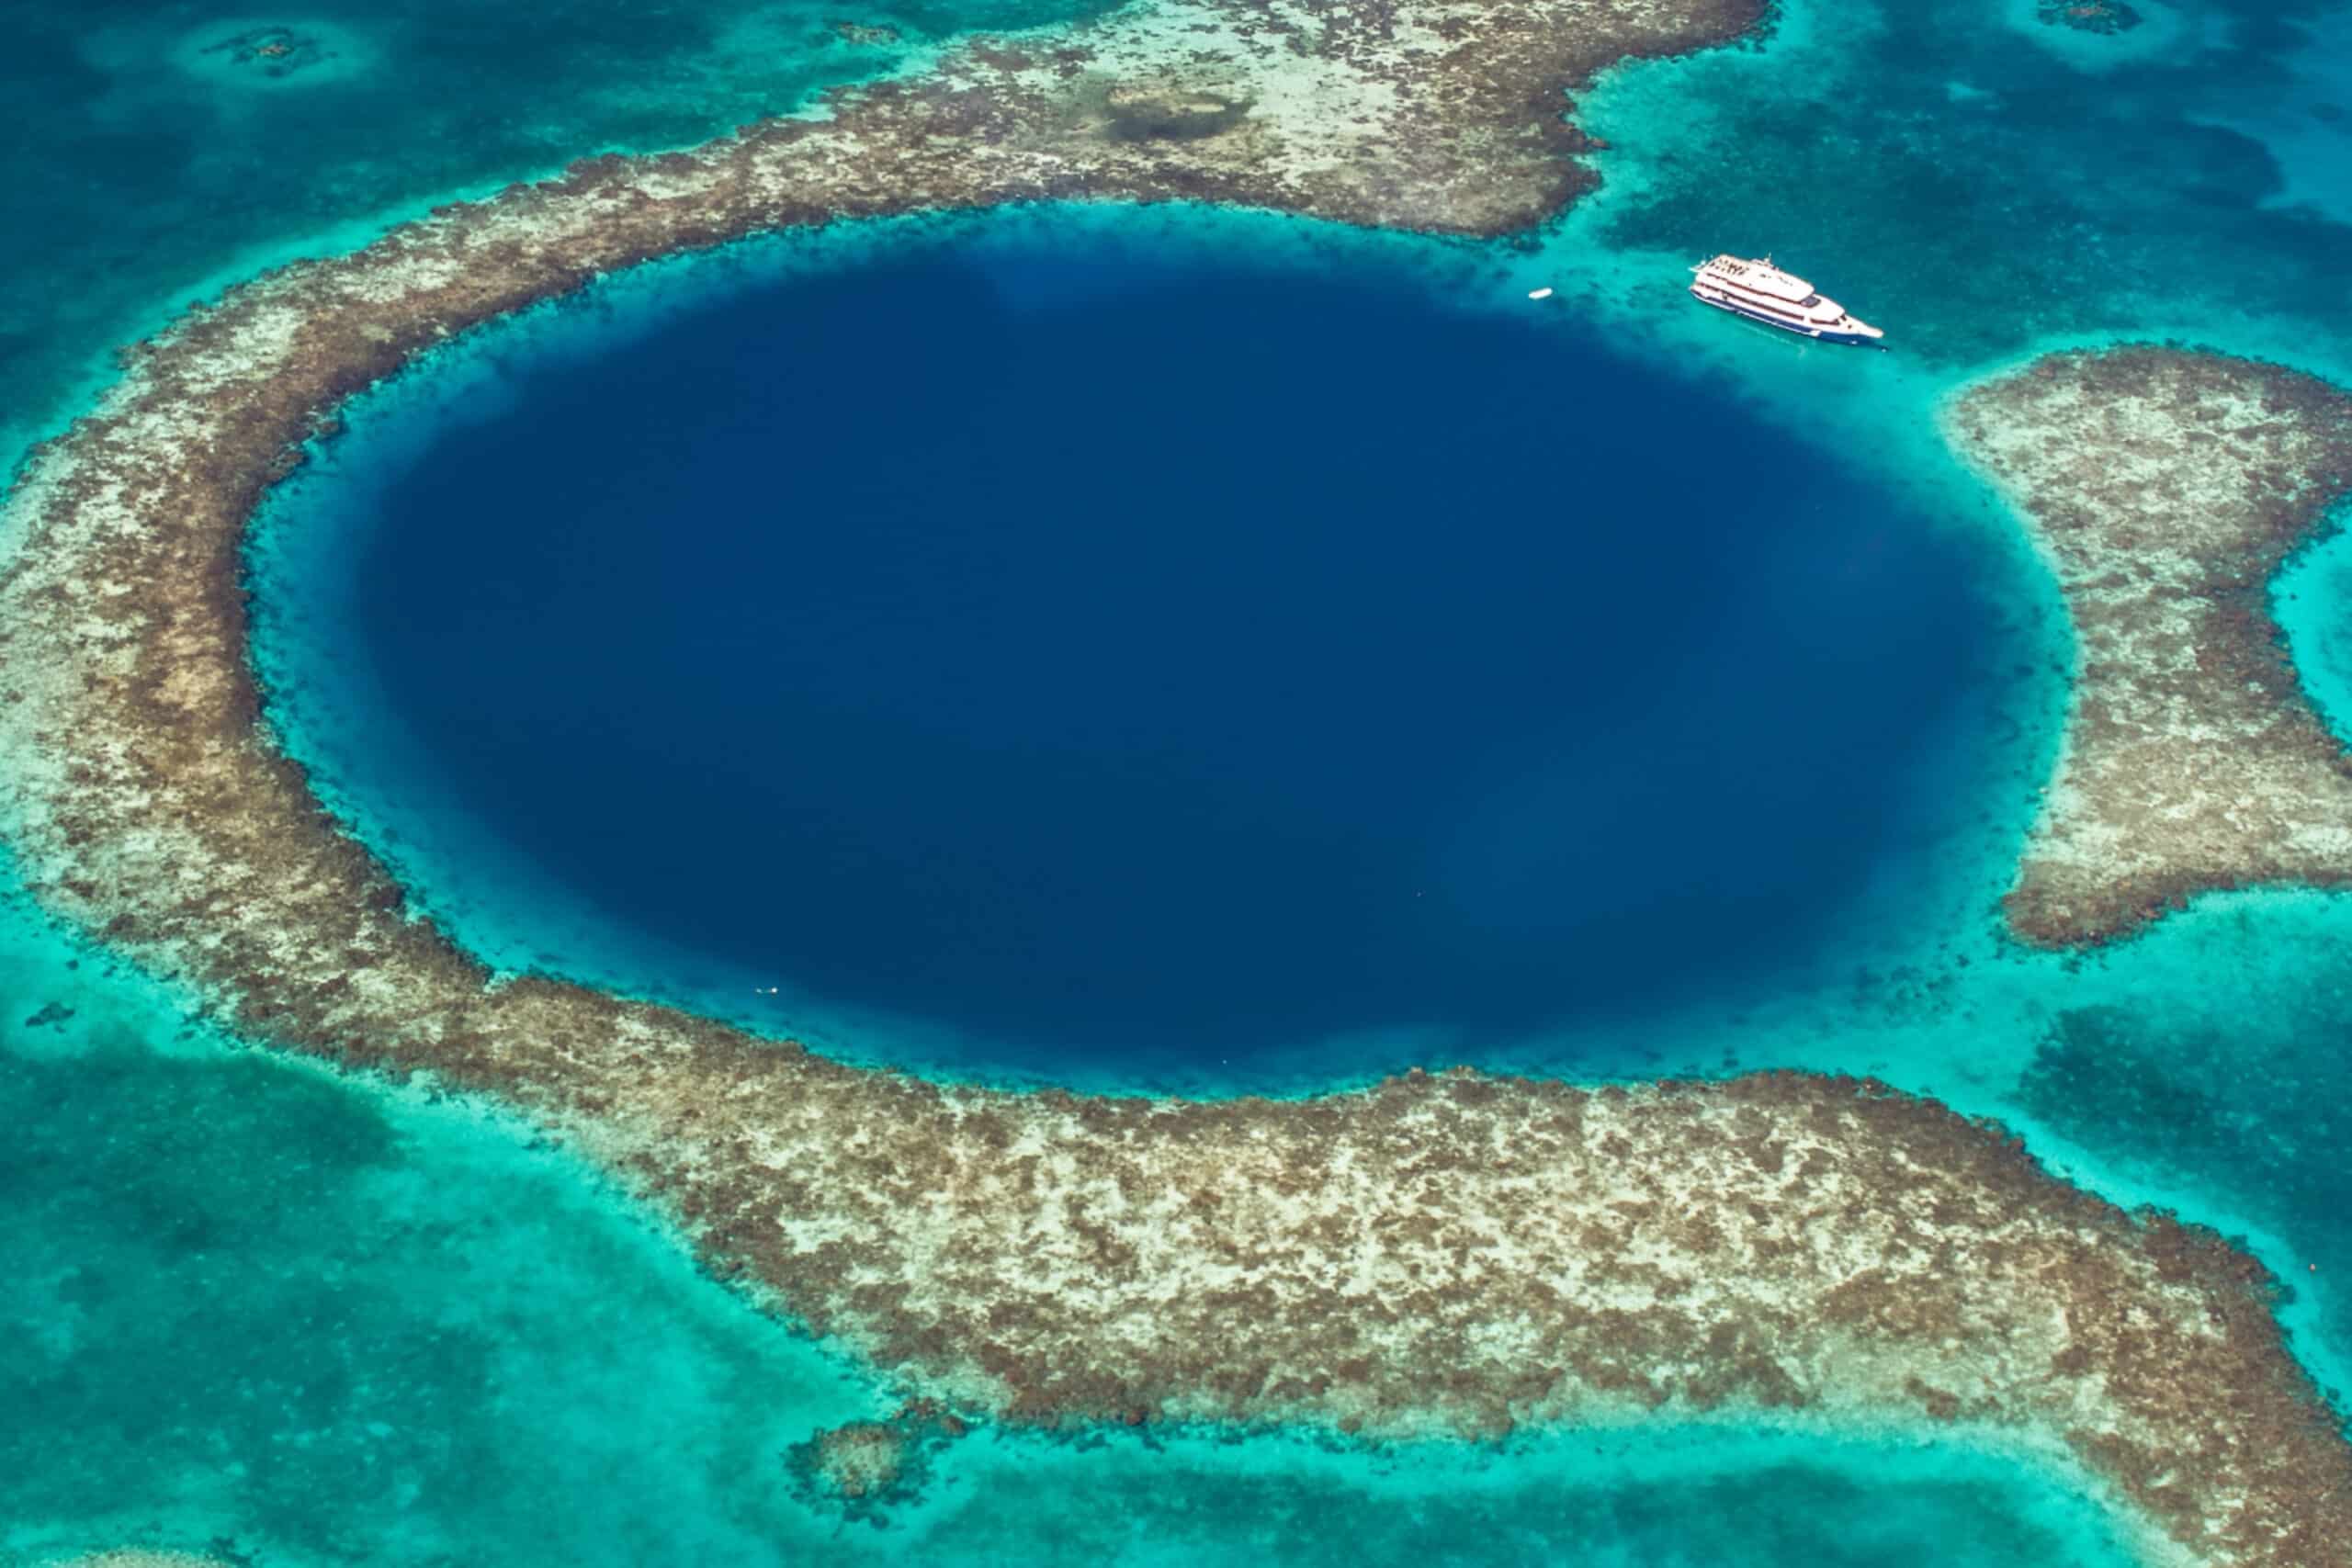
(1186, 660)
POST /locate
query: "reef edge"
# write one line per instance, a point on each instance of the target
(2164, 488)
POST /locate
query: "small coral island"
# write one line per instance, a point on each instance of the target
(2165, 489)
(1456, 1253)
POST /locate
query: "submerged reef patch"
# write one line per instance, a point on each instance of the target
(865, 35)
(269, 51)
(864, 1468)
(2164, 488)
(1455, 1253)
(2086, 16)
(268, 55)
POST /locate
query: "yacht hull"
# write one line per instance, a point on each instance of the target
(1821, 334)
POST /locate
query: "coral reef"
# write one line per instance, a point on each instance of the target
(2258, 1117)
(1457, 1252)
(1138, 111)
(2164, 488)
(270, 51)
(2087, 15)
(864, 1467)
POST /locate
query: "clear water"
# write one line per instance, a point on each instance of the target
(1130, 658)
(1983, 184)
(156, 158)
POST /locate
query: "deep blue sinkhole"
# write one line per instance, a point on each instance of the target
(1192, 658)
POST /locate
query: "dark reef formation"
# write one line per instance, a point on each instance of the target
(2165, 488)
(274, 53)
(1451, 1253)
(865, 35)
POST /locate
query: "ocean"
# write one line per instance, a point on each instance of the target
(1050, 650)
(267, 1310)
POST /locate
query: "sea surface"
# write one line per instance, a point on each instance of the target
(1704, 694)
(1043, 651)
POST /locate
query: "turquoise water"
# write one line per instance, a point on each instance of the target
(255, 1311)
(243, 1301)
(161, 155)
(553, 1384)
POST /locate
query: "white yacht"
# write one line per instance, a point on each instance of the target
(1762, 292)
